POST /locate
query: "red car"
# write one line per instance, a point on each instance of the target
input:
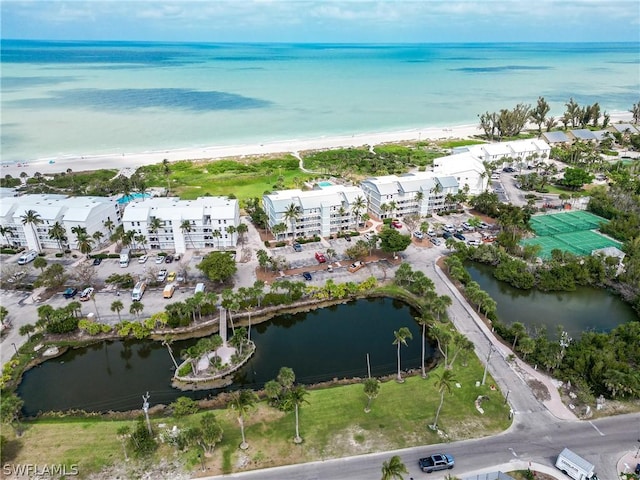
(396, 224)
(320, 257)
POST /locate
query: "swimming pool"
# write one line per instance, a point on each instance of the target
(133, 196)
(325, 184)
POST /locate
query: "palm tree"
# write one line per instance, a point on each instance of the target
(440, 305)
(419, 197)
(185, 226)
(167, 171)
(85, 244)
(293, 401)
(444, 384)
(393, 469)
(231, 229)
(392, 207)
(27, 330)
(278, 228)
(141, 240)
(6, 232)
(243, 401)
(518, 330)
(109, 225)
(371, 390)
(136, 308)
(401, 336)
(425, 320)
(167, 341)
(117, 306)
(241, 230)
(217, 234)
(292, 213)
(97, 236)
(359, 204)
(32, 218)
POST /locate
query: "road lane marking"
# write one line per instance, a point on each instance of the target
(597, 430)
(513, 452)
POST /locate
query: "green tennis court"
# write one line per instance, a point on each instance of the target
(568, 231)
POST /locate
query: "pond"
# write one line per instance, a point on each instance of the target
(319, 345)
(584, 309)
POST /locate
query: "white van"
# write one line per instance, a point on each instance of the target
(575, 466)
(27, 257)
(199, 288)
(138, 291)
(169, 290)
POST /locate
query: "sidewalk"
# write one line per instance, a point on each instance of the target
(554, 404)
(628, 461)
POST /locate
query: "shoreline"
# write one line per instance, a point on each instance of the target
(132, 160)
(57, 164)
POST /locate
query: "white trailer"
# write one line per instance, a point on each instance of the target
(575, 466)
(124, 257)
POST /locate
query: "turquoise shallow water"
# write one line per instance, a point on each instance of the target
(81, 98)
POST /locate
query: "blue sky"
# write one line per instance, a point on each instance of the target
(360, 21)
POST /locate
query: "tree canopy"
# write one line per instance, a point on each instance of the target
(218, 266)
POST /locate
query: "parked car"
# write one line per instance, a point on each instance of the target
(143, 259)
(16, 276)
(466, 226)
(439, 461)
(446, 235)
(436, 241)
(297, 247)
(329, 268)
(431, 232)
(459, 236)
(347, 237)
(159, 259)
(171, 277)
(355, 266)
(509, 170)
(70, 292)
(162, 275)
(97, 261)
(168, 259)
(320, 257)
(449, 228)
(396, 224)
(307, 276)
(418, 234)
(474, 243)
(176, 258)
(86, 294)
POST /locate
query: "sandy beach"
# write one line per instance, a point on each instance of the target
(137, 159)
(134, 160)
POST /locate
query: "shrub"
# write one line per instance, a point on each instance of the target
(59, 254)
(267, 243)
(281, 244)
(184, 370)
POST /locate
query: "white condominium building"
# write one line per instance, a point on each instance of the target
(419, 193)
(467, 164)
(174, 225)
(27, 220)
(323, 211)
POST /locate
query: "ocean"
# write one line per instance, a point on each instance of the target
(63, 99)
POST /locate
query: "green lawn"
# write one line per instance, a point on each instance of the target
(244, 179)
(333, 424)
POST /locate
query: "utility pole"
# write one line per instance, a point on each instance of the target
(145, 409)
(368, 366)
(486, 365)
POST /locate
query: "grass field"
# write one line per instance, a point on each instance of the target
(244, 179)
(333, 424)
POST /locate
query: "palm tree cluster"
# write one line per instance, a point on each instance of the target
(285, 395)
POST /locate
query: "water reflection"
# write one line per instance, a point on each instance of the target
(319, 345)
(582, 310)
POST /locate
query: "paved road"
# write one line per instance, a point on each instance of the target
(537, 439)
